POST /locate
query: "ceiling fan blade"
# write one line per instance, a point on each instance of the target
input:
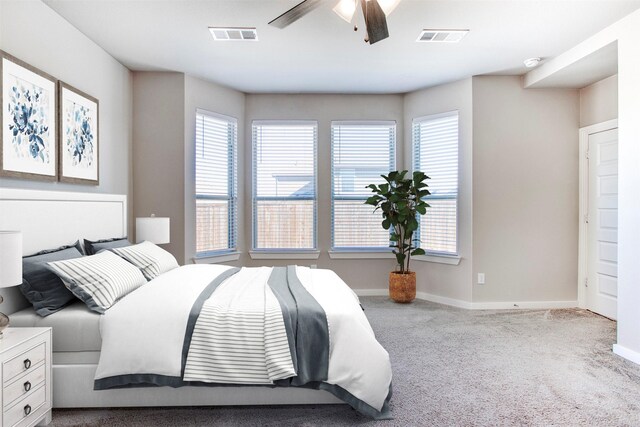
(295, 13)
(375, 21)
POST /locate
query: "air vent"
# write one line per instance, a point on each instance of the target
(234, 34)
(442, 36)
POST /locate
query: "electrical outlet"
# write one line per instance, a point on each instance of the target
(480, 278)
(313, 266)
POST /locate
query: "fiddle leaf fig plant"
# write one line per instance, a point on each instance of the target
(401, 201)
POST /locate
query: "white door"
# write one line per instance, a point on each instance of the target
(602, 235)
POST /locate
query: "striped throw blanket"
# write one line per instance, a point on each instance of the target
(240, 336)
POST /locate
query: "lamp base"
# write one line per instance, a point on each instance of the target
(4, 322)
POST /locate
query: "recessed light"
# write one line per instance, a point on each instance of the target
(234, 34)
(532, 62)
(441, 36)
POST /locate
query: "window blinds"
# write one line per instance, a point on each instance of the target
(435, 152)
(360, 153)
(216, 183)
(284, 185)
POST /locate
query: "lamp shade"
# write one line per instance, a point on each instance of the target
(10, 258)
(153, 229)
(345, 9)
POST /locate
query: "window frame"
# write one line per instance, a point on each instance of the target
(232, 183)
(283, 253)
(430, 255)
(373, 251)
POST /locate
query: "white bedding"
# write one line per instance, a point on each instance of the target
(144, 332)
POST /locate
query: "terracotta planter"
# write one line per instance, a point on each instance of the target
(402, 286)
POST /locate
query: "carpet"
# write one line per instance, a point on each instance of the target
(455, 367)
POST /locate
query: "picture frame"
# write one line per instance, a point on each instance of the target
(78, 124)
(28, 131)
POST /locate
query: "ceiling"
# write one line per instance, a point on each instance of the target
(321, 53)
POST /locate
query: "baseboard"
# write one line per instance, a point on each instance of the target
(444, 300)
(627, 353)
(499, 305)
(371, 292)
(535, 305)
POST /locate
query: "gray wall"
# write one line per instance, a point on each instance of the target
(158, 151)
(518, 157)
(61, 50)
(370, 274)
(525, 191)
(450, 281)
(599, 102)
(163, 155)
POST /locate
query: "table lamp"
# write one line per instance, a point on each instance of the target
(153, 229)
(10, 266)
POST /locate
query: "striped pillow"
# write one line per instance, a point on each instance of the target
(151, 259)
(98, 280)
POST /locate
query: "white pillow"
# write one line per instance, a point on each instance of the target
(151, 259)
(98, 280)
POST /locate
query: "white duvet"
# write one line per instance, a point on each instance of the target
(144, 332)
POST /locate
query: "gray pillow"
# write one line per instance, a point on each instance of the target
(40, 286)
(93, 247)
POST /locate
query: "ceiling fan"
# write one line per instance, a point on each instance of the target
(375, 14)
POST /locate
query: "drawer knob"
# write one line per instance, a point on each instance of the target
(27, 363)
(27, 386)
(27, 410)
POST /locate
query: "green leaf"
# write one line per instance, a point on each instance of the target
(418, 251)
(418, 177)
(421, 209)
(373, 200)
(386, 224)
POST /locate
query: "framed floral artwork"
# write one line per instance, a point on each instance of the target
(78, 124)
(28, 132)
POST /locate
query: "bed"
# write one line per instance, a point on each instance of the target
(78, 349)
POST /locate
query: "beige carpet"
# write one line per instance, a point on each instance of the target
(455, 367)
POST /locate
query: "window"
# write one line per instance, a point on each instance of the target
(284, 185)
(360, 153)
(216, 183)
(435, 152)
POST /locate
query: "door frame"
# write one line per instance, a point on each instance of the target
(583, 171)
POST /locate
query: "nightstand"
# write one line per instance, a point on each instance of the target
(25, 375)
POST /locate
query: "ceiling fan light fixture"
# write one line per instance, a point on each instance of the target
(345, 9)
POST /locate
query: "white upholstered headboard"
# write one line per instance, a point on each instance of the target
(49, 219)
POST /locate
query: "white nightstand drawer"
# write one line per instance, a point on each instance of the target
(24, 408)
(23, 385)
(22, 363)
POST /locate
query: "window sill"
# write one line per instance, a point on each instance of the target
(361, 255)
(284, 255)
(439, 259)
(215, 258)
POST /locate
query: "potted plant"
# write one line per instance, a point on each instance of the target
(401, 201)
